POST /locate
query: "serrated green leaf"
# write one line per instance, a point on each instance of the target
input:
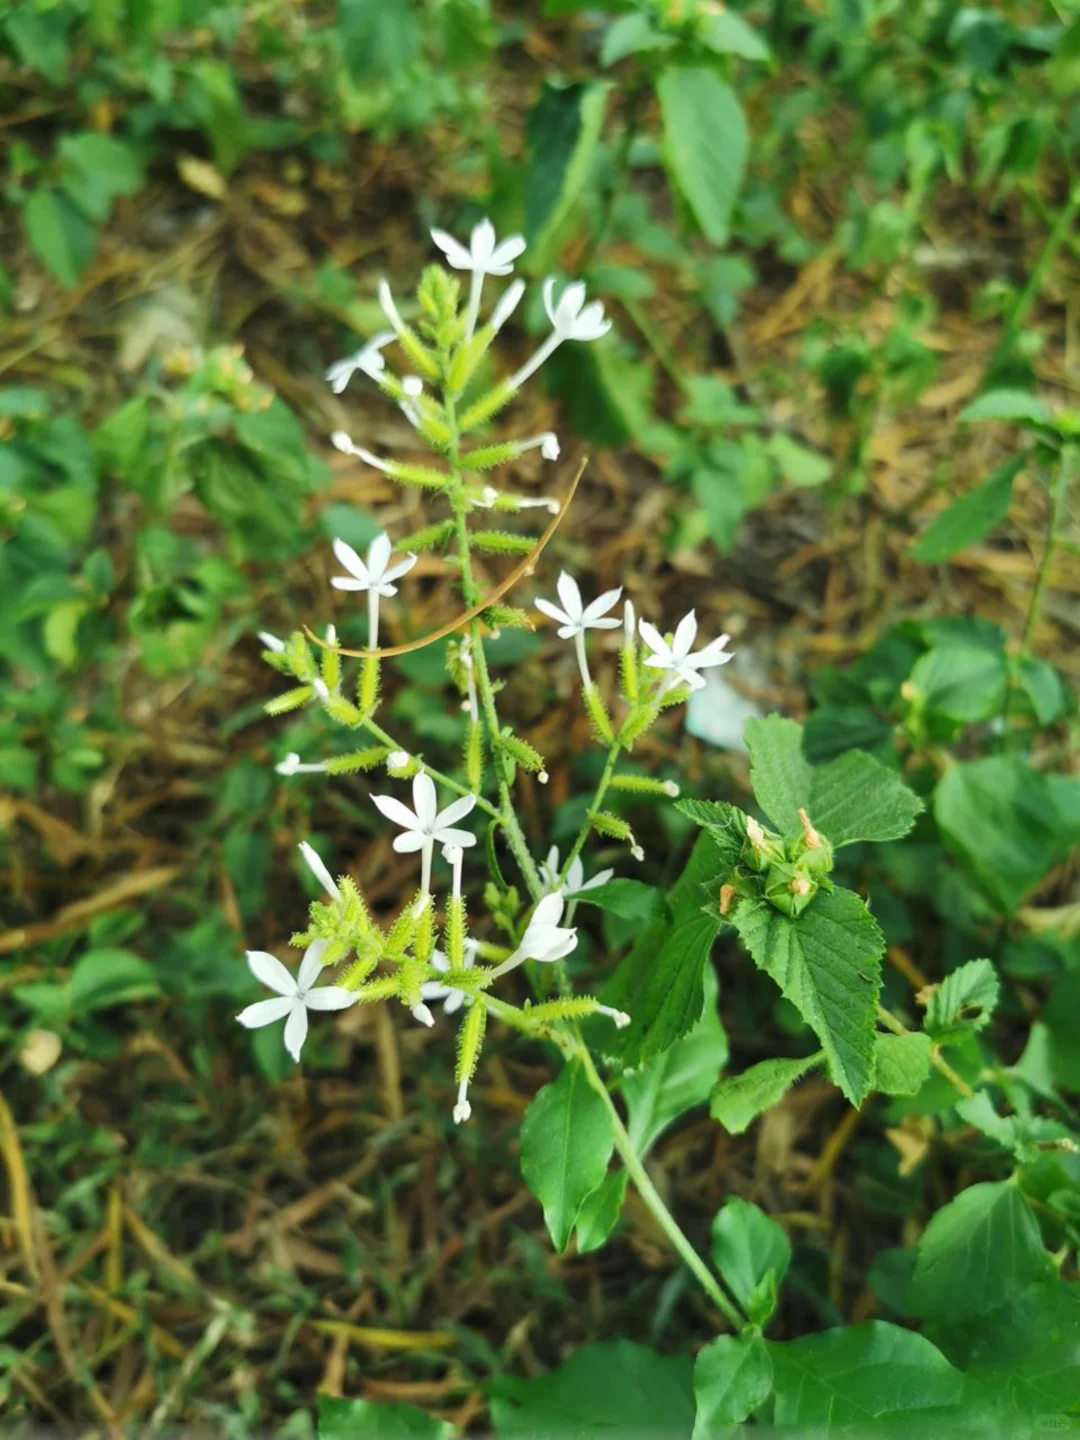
(110, 976)
(600, 1211)
(349, 1419)
(739, 1099)
(566, 1143)
(733, 1377)
(746, 1245)
(1020, 406)
(971, 518)
(963, 1002)
(852, 798)
(678, 1079)
(725, 823)
(828, 964)
(705, 143)
(977, 1252)
(859, 1375)
(901, 1063)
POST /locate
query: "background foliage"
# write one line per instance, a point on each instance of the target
(837, 415)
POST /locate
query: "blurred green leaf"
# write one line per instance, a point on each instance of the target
(60, 235)
(705, 143)
(566, 1142)
(111, 976)
(349, 1419)
(971, 517)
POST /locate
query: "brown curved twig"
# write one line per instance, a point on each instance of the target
(500, 590)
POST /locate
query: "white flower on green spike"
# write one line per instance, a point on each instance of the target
(375, 575)
(296, 995)
(544, 939)
(314, 862)
(506, 304)
(571, 319)
(425, 825)
(575, 617)
(679, 662)
(575, 882)
(486, 254)
(368, 359)
(292, 765)
(450, 995)
(270, 642)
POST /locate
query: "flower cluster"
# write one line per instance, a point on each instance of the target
(427, 954)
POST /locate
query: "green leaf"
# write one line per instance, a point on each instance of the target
(1007, 823)
(563, 131)
(612, 1388)
(798, 464)
(600, 1211)
(678, 1079)
(1042, 685)
(739, 1099)
(631, 35)
(747, 1246)
(972, 517)
(960, 682)
(859, 1374)
(1026, 1361)
(39, 39)
(725, 823)
(733, 1376)
(60, 235)
(1017, 405)
(828, 964)
(963, 1002)
(705, 142)
(852, 798)
(98, 169)
(379, 41)
(629, 899)
(566, 1143)
(901, 1063)
(729, 34)
(977, 1252)
(350, 1419)
(109, 976)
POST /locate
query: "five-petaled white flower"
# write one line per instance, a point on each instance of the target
(452, 997)
(575, 882)
(571, 319)
(575, 617)
(485, 254)
(295, 995)
(544, 938)
(680, 666)
(313, 860)
(369, 359)
(375, 575)
(426, 825)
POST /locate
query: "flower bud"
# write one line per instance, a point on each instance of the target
(762, 848)
(811, 850)
(789, 888)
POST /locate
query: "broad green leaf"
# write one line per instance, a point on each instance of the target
(98, 169)
(963, 1002)
(629, 899)
(729, 34)
(746, 1246)
(797, 463)
(379, 41)
(833, 729)
(852, 798)
(566, 1142)
(739, 1099)
(901, 1063)
(977, 1252)
(971, 517)
(733, 1377)
(39, 39)
(960, 683)
(612, 1388)
(828, 964)
(631, 35)
(857, 1375)
(350, 1419)
(60, 235)
(660, 983)
(563, 132)
(1024, 1360)
(678, 1079)
(600, 1211)
(1019, 406)
(110, 976)
(1021, 1135)
(725, 823)
(1042, 685)
(1007, 823)
(705, 142)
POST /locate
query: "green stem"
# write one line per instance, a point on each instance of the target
(1058, 491)
(597, 801)
(380, 734)
(1061, 231)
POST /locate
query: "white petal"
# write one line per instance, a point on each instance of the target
(271, 642)
(600, 878)
(265, 1012)
(390, 310)
(553, 612)
(311, 965)
(296, 1030)
(330, 997)
(549, 295)
(715, 653)
(423, 1014)
(567, 632)
(439, 962)
(271, 972)
(455, 252)
(570, 596)
(548, 912)
(378, 555)
(505, 253)
(602, 604)
(685, 635)
(463, 838)
(341, 582)
(482, 244)
(395, 811)
(409, 842)
(454, 1002)
(455, 811)
(319, 870)
(507, 304)
(425, 800)
(569, 306)
(655, 641)
(402, 567)
(612, 624)
(352, 562)
(432, 990)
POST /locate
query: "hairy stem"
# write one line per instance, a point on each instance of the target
(597, 800)
(1065, 472)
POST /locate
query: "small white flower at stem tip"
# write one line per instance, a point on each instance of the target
(454, 855)
(575, 882)
(571, 319)
(343, 441)
(507, 303)
(314, 862)
(375, 575)
(472, 701)
(620, 1017)
(486, 255)
(423, 1014)
(679, 662)
(671, 789)
(270, 642)
(629, 626)
(462, 1110)
(397, 760)
(637, 852)
(368, 358)
(575, 617)
(543, 777)
(292, 765)
(413, 385)
(426, 825)
(389, 309)
(544, 940)
(295, 995)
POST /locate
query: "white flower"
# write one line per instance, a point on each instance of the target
(295, 996)
(575, 882)
(426, 826)
(341, 440)
(376, 573)
(570, 317)
(676, 660)
(292, 765)
(575, 617)
(452, 997)
(271, 642)
(507, 303)
(368, 358)
(629, 626)
(485, 255)
(545, 939)
(315, 864)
